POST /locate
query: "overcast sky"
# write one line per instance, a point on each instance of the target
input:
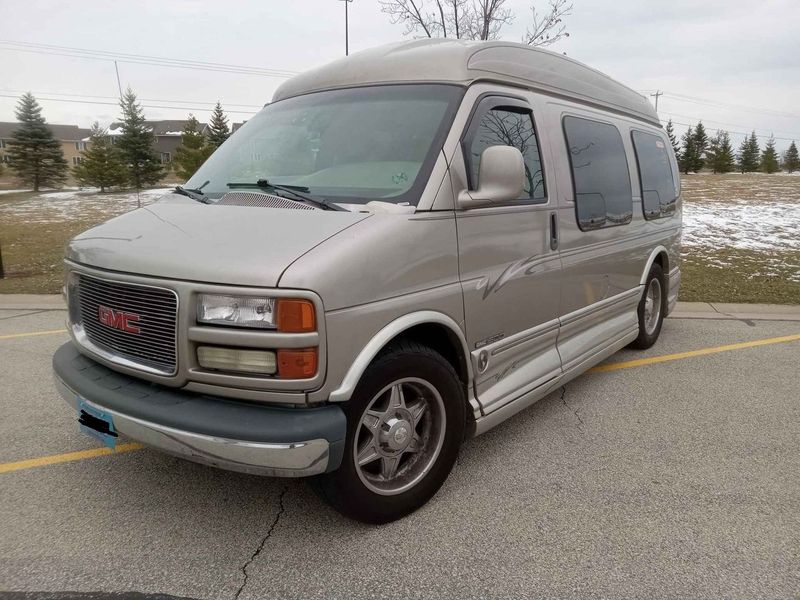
(734, 62)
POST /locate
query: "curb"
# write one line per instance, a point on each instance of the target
(731, 312)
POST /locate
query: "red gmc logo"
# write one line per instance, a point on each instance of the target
(117, 319)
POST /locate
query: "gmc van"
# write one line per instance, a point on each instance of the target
(403, 249)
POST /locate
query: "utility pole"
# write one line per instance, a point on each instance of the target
(119, 85)
(346, 28)
(656, 95)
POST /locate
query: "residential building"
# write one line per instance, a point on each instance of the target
(167, 135)
(73, 140)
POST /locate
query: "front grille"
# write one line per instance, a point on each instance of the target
(153, 345)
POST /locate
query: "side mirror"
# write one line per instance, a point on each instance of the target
(501, 178)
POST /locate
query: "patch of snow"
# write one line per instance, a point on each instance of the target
(742, 225)
(76, 204)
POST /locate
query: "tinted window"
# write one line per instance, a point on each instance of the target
(503, 126)
(655, 175)
(599, 173)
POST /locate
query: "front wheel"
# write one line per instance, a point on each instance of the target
(405, 424)
(651, 309)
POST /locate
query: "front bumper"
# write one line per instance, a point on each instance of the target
(237, 436)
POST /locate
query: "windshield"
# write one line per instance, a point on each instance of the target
(348, 146)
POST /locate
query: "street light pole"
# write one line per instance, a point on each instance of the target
(346, 29)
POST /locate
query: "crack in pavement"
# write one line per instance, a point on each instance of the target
(281, 509)
(574, 410)
(28, 314)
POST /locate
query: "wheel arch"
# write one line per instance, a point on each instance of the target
(658, 255)
(434, 329)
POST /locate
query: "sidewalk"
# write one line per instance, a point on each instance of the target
(684, 310)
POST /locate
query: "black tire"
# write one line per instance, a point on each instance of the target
(344, 488)
(647, 338)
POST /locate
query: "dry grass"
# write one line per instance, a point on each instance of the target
(34, 228)
(741, 236)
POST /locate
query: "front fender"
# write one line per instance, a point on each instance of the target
(386, 335)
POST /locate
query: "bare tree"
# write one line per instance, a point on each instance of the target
(475, 19)
(548, 28)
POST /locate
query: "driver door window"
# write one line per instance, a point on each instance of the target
(502, 125)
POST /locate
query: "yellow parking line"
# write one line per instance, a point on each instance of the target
(692, 353)
(54, 459)
(95, 452)
(31, 334)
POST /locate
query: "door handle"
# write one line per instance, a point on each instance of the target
(553, 231)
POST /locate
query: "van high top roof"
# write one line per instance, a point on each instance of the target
(463, 62)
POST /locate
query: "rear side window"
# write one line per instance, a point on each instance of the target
(655, 175)
(600, 173)
(506, 126)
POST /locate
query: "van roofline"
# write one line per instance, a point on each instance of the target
(463, 62)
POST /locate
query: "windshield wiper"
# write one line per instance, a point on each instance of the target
(296, 192)
(194, 194)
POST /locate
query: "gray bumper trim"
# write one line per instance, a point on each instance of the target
(271, 441)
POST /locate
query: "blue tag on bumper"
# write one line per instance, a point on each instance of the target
(97, 423)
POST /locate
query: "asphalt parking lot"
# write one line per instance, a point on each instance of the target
(667, 479)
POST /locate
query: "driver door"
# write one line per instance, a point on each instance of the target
(508, 260)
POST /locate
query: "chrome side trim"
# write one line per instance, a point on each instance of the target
(251, 338)
(656, 251)
(485, 423)
(383, 337)
(297, 459)
(601, 305)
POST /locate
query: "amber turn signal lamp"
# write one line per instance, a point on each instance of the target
(296, 316)
(297, 363)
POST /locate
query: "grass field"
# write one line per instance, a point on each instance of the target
(741, 237)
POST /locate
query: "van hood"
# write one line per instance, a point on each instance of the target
(178, 238)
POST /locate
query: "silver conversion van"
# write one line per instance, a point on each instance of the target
(405, 248)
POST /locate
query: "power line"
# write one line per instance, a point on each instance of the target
(144, 59)
(791, 135)
(744, 133)
(718, 104)
(714, 103)
(70, 95)
(244, 112)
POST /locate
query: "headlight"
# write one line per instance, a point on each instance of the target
(236, 311)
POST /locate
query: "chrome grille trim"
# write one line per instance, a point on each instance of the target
(154, 349)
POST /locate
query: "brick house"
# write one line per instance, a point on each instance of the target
(167, 136)
(73, 140)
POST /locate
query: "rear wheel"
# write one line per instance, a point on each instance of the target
(651, 309)
(405, 424)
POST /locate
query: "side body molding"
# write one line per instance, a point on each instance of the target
(388, 333)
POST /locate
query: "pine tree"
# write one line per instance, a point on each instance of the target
(33, 153)
(688, 151)
(193, 151)
(700, 145)
(135, 145)
(671, 134)
(792, 161)
(101, 165)
(749, 153)
(769, 158)
(720, 153)
(218, 130)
